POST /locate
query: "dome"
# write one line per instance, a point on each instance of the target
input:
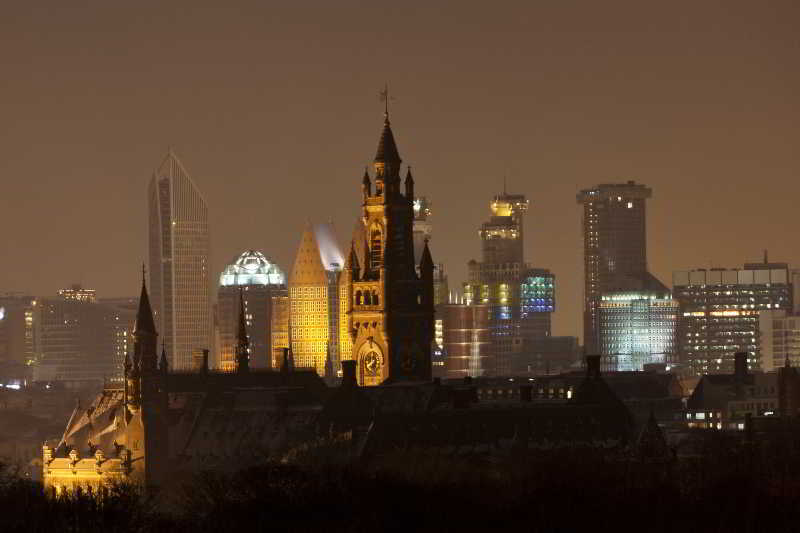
(252, 268)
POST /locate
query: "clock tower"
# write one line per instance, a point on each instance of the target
(389, 305)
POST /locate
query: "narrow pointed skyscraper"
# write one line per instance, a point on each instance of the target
(179, 262)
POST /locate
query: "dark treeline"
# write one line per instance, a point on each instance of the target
(729, 486)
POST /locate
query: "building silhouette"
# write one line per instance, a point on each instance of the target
(262, 285)
(314, 305)
(521, 299)
(614, 246)
(179, 263)
(16, 329)
(390, 297)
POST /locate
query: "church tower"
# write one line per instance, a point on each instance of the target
(390, 306)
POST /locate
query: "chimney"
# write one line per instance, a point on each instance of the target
(349, 374)
(593, 366)
(526, 393)
(740, 366)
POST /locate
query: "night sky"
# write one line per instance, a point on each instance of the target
(274, 111)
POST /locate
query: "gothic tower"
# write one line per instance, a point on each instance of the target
(390, 311)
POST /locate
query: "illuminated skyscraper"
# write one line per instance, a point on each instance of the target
(179, 256)
(614, 246)
(314, 307)
(521, 299)
(263, 288)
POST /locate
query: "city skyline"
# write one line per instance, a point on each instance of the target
(707, 131)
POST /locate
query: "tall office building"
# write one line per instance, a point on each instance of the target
(262, 286)
(120, 319)
(719, 313)
(521, 299)
(80, 341)
(614, 246)
(179, 263)
(314, 306)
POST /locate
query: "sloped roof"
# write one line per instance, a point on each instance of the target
(317, 254)
(387, 148)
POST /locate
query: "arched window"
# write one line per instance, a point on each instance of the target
(375, 298)
(367, 298)
(358, 298)
(375, 247)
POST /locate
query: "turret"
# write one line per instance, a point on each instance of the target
(387, 163)
(366, 185)
(409, 185)
(426, 276)
(145, 343)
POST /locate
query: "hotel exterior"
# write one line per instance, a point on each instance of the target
(179, 263)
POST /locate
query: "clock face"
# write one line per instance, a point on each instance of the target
(372, 363)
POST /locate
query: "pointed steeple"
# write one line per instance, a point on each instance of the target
(243, 343)
(144, 317)
(426, 263)
(387, 148)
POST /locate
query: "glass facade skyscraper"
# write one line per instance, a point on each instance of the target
(179, 263)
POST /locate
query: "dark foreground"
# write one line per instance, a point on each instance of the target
(728, 488)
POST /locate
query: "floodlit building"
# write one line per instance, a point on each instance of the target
(390, 296)
(314, 306)
(719, 313)
(466, 340)
(521, 299)
(637, 328)
(179, 263)
(614, 245)
(779, 336)
(262, 286)
(78, 293)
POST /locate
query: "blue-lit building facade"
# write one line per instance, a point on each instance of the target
(262, 286)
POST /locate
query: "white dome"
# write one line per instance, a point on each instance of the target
(252, 268)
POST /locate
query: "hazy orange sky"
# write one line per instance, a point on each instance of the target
(273, 109)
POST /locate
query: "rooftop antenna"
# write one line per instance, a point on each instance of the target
(766, 260)
(384, 96)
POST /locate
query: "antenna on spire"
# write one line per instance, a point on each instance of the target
(384, 96)
(144, 273)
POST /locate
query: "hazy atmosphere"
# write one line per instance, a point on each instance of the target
(273, 108)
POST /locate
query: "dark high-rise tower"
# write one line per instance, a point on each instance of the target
(390, 306)
(614, 246)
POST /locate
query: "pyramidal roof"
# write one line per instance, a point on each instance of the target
(317, 254)
(387, 148)
(144, 316)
